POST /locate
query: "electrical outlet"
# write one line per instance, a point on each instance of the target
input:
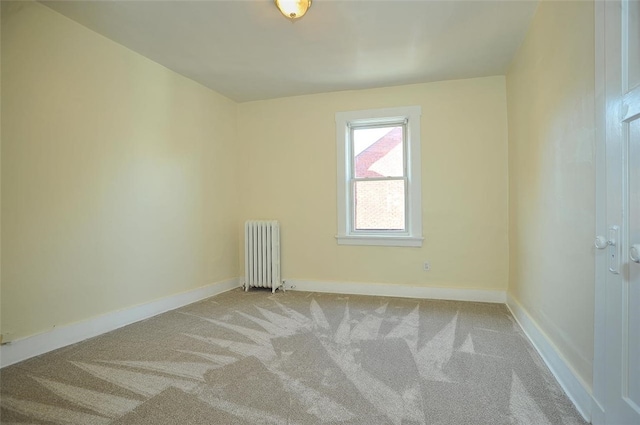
(426, 266)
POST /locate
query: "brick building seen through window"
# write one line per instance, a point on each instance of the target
(379, 202)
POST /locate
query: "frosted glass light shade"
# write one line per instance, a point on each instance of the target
(293, 9)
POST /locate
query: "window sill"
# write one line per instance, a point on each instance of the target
(376, 240)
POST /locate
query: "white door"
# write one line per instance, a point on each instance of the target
(622, 290)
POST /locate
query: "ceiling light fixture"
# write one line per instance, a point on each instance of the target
(293, 9)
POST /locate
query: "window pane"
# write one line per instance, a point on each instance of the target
(379, 205)
(378, 152)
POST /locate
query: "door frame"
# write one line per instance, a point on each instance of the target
(599, 337)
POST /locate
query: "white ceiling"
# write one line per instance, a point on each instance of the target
(246, 50)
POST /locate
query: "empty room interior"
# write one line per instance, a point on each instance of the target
(355, 212)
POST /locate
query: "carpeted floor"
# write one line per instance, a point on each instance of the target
(295, 358)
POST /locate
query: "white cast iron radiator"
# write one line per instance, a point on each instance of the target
(262, 255)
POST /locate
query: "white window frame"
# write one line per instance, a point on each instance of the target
(347, 234)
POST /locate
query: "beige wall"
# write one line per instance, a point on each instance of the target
(288, 164)
(118, 176)
(550, 91)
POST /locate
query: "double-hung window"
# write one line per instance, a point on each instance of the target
(379, 194)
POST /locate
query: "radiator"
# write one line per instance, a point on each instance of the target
(262, 255)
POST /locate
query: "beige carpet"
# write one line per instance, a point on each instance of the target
(295, 358)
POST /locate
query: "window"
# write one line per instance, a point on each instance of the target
(379, 195)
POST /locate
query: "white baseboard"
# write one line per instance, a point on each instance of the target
(394, 290)
(22, 349)
(572, 385)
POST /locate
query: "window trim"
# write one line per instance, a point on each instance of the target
(345, 121)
